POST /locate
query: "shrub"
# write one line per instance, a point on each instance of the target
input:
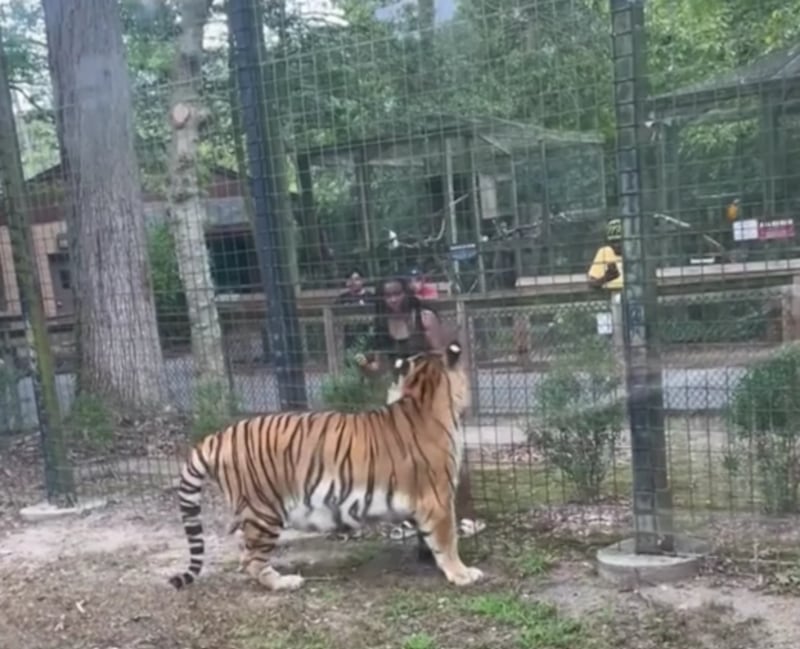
(10, 405)
(90, 422)
(765, 413)
(350, 390)
(170, 300)
(214, 406)
(579, 415)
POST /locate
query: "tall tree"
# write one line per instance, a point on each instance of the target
(426, 10)
(188, 214)
(120, 355)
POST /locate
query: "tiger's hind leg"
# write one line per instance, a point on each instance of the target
(259, 541)
(438, 528)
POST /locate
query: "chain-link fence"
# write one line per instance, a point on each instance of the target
(213, 234)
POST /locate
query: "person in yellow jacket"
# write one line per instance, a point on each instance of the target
(606, 269)
(605, 273)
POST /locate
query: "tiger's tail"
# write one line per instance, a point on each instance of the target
(193, 475)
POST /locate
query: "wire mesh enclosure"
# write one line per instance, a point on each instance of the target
(220, 230)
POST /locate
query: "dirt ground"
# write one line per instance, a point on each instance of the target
(99, 582)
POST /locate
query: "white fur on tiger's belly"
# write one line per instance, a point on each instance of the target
(352, 512)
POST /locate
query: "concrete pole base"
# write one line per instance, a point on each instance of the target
(44, 511)
(620, 564)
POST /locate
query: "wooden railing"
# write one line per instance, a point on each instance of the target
(778, 283)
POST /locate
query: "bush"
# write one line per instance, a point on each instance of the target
(351, 391)
(214, 407)
(10, 405)
(170, 299)
(579, 415)
(90, 422)
(765, 413)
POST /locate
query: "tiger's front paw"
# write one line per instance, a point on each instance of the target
(465, 576)
(289, 582)
(273, 580)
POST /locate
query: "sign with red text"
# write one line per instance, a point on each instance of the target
(755, 230)
(778, 229)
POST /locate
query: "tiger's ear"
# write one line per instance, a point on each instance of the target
(401, 367)
(453, 354)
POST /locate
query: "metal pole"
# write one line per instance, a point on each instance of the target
(254, 81)
(40, 368)
(652, 500)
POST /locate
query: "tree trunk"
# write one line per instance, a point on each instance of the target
(187, 209)
(120, 354)
(426, 16)
(58, 472)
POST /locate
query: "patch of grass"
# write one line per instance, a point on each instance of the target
(539, 625)
(533, 624)
(362, 552)
(410, 617)
(403, 605)
(529, 562)
(419, 641)
(712, 626)
(295, 639)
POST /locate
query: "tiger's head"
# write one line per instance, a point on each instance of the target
(437, 378)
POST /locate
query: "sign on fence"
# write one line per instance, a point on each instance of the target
(755, 230)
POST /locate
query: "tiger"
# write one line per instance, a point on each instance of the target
(325, 471)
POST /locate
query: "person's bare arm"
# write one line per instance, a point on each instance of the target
(369, 365)
(434, 331)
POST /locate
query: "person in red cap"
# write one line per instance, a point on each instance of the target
(420, 287)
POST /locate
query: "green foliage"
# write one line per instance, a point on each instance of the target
(214, 405)
(579, 415)
(529, 562)
(350, 390)
(90, 421)
(536, 62)
(170, 298)
(419, 641)
(571, 327)
(10, 406)
(735, 320)
(539, 624)
(765, 412)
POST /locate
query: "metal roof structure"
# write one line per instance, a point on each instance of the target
(776, 71)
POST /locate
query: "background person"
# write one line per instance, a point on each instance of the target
(355, 295)
(420, 286)
(606, 274)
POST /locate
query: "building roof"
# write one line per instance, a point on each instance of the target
(509, 134)
(772, 71)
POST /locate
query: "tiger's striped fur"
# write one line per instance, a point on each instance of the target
(325, 471)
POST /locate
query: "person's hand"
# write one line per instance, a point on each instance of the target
(612, 272)
(366, 365)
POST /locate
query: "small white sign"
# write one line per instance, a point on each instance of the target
(745, 230)
(605, 323)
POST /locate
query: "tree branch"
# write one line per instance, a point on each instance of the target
(37, 107)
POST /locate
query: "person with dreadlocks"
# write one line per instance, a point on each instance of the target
(405, 325)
